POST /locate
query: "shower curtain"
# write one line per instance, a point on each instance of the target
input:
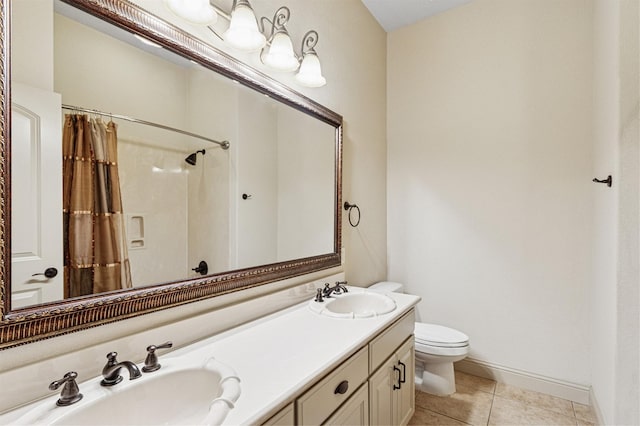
(95, 251)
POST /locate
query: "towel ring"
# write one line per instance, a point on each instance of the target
(350, 207)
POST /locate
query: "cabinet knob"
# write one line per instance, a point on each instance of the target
(342, 387)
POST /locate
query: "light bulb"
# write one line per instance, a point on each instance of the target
(243, 30)
(280, 54)
(310, 73)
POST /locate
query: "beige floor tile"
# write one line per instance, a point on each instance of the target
(466, 405)
(509, 412)
(426, 417)
(475, 382)
(537, 399)
(584, 413)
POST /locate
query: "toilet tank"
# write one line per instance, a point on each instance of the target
(387, 287)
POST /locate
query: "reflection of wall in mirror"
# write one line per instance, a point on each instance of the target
(31, 44)
(210, 106)
(256, 173)
(305, 185)
(184, 207)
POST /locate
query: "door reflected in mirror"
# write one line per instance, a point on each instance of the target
(138, 205)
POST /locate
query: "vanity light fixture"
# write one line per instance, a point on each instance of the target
(245, 34)
(195, 11)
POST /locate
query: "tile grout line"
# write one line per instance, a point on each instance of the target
(493, 397)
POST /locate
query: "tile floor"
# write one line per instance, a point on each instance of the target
(480, 401)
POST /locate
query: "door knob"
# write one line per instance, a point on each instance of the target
(49, 273)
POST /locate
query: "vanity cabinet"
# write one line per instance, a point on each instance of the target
(375, 386)
(392, 388)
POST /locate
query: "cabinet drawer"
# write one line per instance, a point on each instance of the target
(322, 399)
(354, 412)
(388, 341)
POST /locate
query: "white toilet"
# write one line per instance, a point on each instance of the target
(437, 348)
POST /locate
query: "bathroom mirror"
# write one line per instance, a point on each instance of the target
(263, 210)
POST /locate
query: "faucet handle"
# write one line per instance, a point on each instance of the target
(70, 392)
(326, 291)
(151, 361)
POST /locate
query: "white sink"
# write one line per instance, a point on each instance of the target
(181, 392)
(354, 305)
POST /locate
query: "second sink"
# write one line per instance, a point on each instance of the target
(354, 305)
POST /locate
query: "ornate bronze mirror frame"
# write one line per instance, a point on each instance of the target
(45, 321)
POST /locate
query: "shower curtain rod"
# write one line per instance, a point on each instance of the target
(223, 144)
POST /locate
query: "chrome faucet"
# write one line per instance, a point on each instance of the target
(111, 371)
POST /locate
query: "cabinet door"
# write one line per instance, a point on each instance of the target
(405, 396)
(381, 393)
(354, 412)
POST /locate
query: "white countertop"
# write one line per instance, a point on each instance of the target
(278, 356)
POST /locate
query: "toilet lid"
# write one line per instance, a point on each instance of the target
(438, 335)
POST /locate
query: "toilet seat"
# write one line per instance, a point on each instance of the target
(439, 336)
(423, 352)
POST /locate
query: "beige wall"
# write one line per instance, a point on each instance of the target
(627, 348)
(602, 318)
(489, 181)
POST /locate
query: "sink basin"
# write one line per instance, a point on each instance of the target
(354, 305)
(178, 393)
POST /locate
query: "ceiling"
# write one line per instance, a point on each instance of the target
(393, 14)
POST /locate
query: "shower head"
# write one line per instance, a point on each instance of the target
(192, 158)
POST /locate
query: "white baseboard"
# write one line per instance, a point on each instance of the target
(526, 380)
(596, 408)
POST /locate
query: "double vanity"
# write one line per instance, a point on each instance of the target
(305, 364)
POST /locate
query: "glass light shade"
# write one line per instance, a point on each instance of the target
(243, 30)
(196, 11)
(310, 73)
(280, 54)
